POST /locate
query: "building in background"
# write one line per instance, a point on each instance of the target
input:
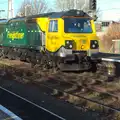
(102, 26)
(109, 34)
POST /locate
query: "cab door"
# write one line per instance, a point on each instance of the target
(53, 36)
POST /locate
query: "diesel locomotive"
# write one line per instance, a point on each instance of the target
(60, 40)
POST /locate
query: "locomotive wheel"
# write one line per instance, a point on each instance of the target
(55, 64)
(94, 67)
(38, 58)
(5, 52)
(11, 55)
(1, 54)
(23, 55)
(29, 56)
(43, 63)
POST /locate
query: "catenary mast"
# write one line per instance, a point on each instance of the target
(10, 9)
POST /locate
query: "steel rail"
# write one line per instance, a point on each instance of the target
(88, 87)
(84, 98)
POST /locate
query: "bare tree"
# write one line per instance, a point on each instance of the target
(98, 13)
(62, 5)
(29, 7)
(70, 4)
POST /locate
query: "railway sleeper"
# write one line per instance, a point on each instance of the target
(81, 102)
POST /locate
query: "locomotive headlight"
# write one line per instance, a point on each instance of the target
(94, 44)
(82, 47)
(68, 44)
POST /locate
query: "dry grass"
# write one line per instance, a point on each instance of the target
(113, 86)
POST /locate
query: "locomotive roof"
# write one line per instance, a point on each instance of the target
(3, 21)
(40, 15)
(75, 13)
(72, 12)
(17, 19)
(25, 18)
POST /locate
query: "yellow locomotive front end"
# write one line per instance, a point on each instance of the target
(71, 36)
(81, 33)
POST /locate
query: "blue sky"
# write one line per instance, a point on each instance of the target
(109, 9)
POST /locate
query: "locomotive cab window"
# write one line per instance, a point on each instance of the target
(53, 26)
(77, 25)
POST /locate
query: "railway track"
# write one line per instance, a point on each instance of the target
(63, 90)
(74, 89)
(101, 100)
(78, 95)
(30, 104)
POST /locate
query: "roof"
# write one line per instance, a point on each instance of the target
(3, 21)
(27, 18)
(72, 12)
(16, 19)
(40, 15)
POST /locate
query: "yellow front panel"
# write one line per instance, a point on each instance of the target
(54, 40)
(81, 40)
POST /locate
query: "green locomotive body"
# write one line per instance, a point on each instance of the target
(21, 38)
(3, 23)
(19, 33)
